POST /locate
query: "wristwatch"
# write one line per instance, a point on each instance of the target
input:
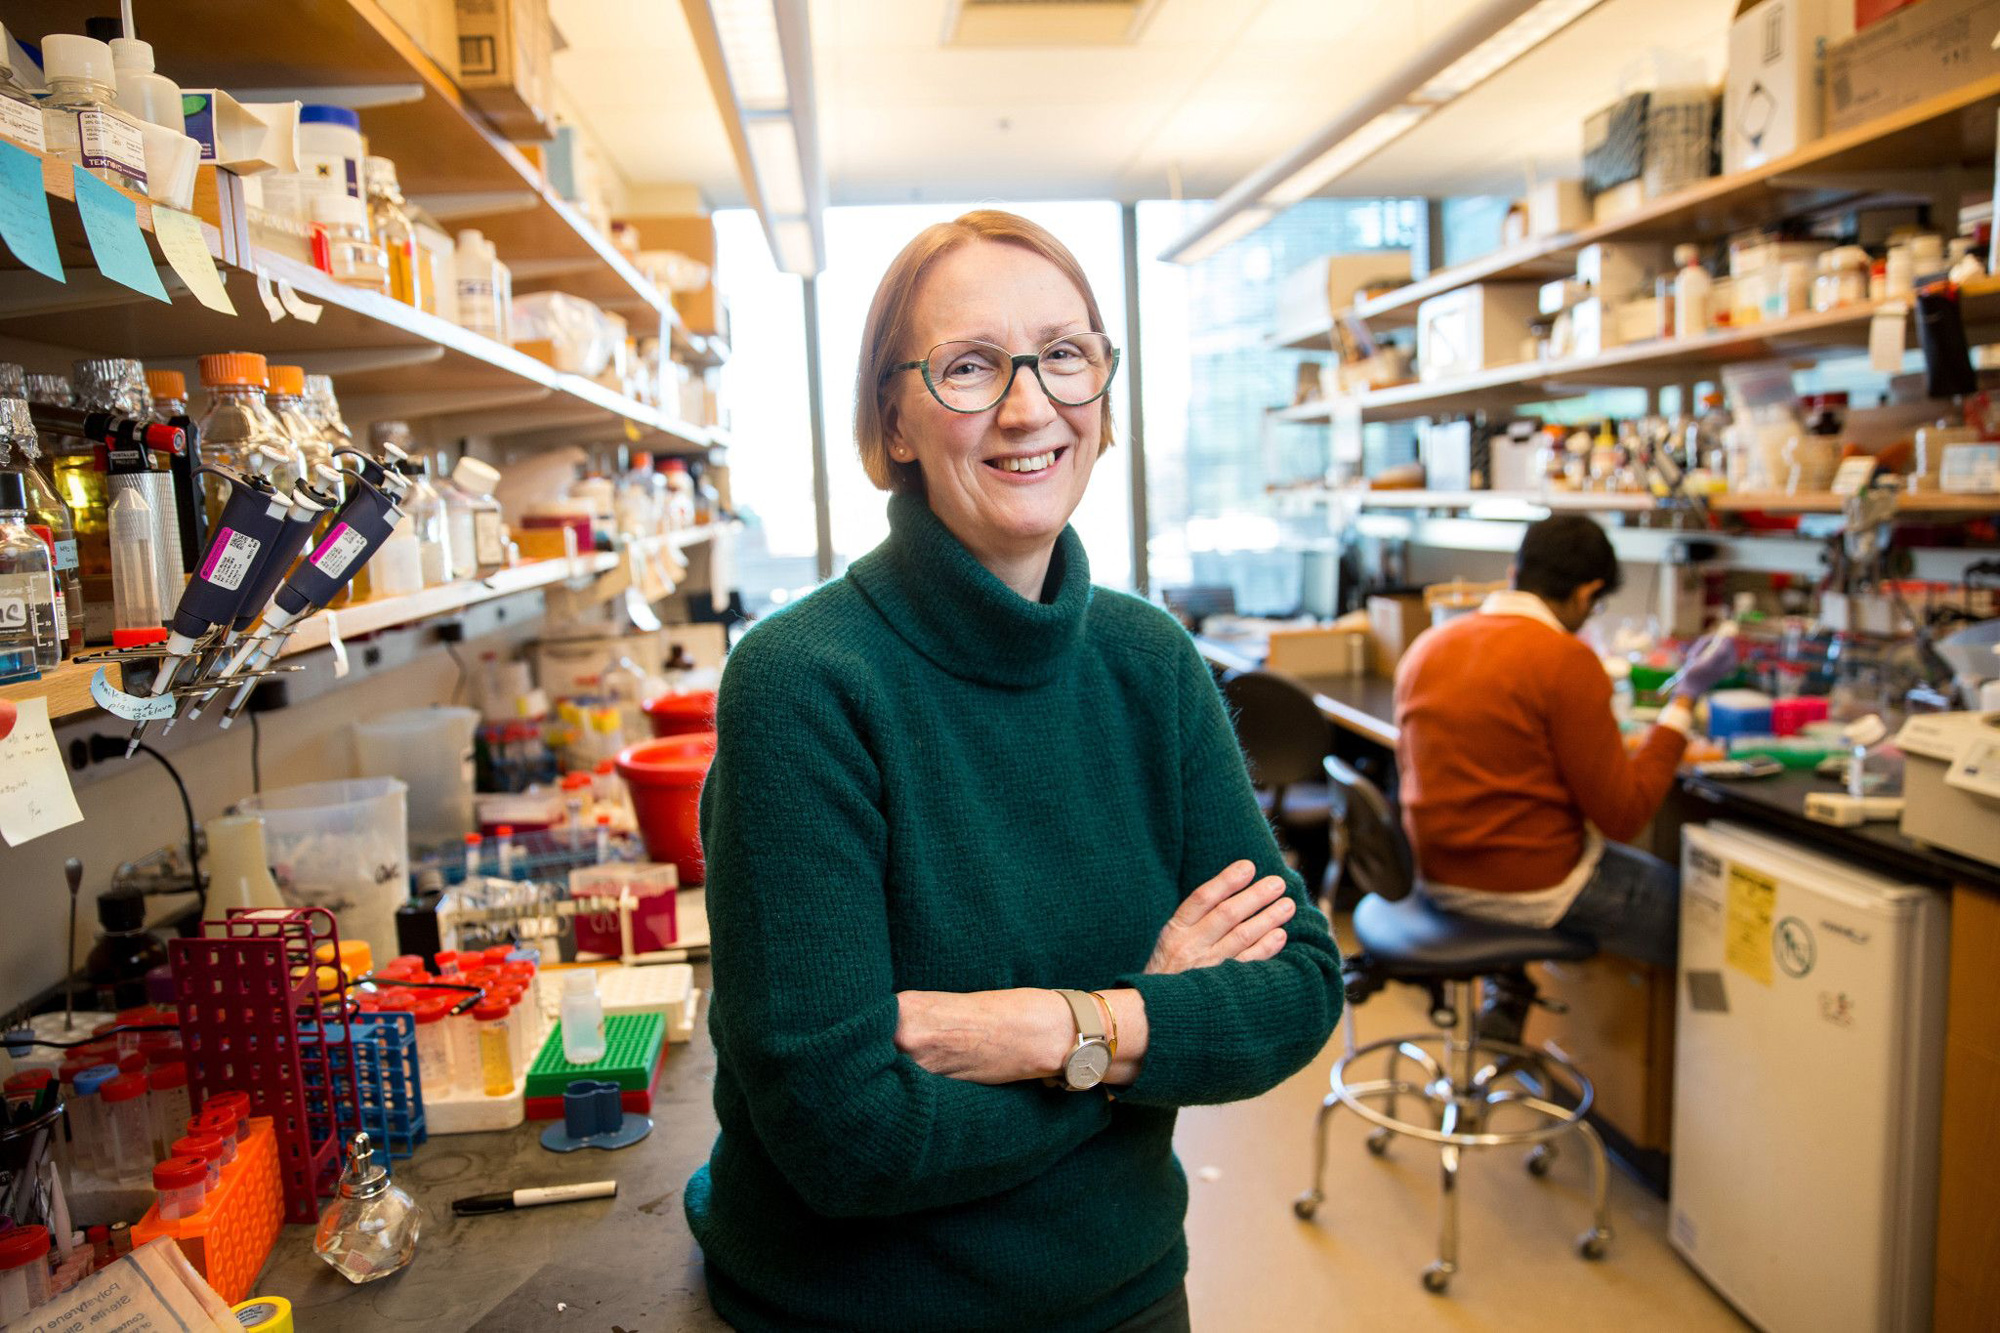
(1090, 1059)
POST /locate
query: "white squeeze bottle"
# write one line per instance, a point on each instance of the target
(582, 1018)
(1691, 290)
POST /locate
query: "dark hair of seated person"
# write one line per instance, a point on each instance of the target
(1563, 552)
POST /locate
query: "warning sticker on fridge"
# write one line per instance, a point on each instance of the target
(1747, 937)
(229, 559)
(337, 552)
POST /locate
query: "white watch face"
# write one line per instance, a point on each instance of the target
(1087, 1065)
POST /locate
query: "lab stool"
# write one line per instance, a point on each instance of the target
(1463, 1077)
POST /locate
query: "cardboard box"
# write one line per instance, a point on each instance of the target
(1320, 651)
(1616, 202)
(693, 235)
(1474, 328)
(1395, 621)
(432, 25)
(1913, 54)
(1325, 288)
(1772, 96)
(1557, 206)
(1617, 270)
(506, 51)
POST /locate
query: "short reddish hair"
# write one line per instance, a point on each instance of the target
(888, 327)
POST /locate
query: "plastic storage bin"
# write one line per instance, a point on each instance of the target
(343, 846)
(430, 749)
(655, 923)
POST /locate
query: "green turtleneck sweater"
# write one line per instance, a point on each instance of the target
(925, 781)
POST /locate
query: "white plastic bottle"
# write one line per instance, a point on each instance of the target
(582, 1018)
(142, 91)
(1692, 286)
(489, 528)
(485, 288)
(397, 567)
(20, 114)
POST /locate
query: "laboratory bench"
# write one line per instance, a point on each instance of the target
(624, 1262)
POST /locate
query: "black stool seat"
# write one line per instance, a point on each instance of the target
(1411, 938)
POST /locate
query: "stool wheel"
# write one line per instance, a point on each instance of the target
(1306, 1205)
(1540, 1158)
(1378, 1143)
(1594, 1243)
(1436, 1278)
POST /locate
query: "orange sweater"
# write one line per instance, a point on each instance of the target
(1507, 746)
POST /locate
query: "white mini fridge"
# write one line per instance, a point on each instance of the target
(1807, 1065)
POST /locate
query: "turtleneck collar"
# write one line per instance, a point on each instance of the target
(954, 611)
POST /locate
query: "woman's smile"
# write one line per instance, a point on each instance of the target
(1026, 469)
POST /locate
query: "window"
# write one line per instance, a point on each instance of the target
(1212, 449)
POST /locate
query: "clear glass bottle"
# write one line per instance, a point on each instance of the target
(287, 401)
(48, 517)
(238, 430)
(410, 273)
(324, 409)
(80, 117)
(20, 113)
(27, 587)
(489, 529)
(170, 408)
(427, 513)
(343, 246)
(119, 385)
(371, 1229)
(680, 494)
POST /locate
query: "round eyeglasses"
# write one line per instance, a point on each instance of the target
(971, 376)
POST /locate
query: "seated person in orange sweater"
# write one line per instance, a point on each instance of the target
(1514, 776)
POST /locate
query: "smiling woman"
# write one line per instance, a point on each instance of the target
(981, 846)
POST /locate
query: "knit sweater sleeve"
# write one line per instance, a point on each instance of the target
(805, 1009)
(1224, 1033)
(1615, 792)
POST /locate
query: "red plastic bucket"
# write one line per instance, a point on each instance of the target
(682, 714)
(664, 778)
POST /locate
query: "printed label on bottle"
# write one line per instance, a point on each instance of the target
(110, 142)
(488, 545)
(61, 605)
(229, 558)
(337, 552)
(22, 122)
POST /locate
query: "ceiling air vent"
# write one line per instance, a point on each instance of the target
(1046, 22)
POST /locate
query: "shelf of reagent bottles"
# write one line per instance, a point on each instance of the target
(446, 154)
(1950, 130)
(67, 688)
(1658, 361)
(389, 358)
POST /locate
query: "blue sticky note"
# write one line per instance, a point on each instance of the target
(24, 212)
(111, 221)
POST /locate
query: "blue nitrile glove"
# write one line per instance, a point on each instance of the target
(1709, 662)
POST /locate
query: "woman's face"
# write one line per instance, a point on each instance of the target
(1007, 295)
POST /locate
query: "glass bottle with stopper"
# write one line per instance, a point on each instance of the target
(371, 1229)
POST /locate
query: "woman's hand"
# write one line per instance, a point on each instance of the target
(989, 1036)
(1228, 917)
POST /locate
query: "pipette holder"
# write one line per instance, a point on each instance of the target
(250, 1006)
(387, 1087)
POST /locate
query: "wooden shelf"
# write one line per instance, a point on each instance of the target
(67, 688)
(1825, 502)
(1816, 502)
(1951, 130)
(387, 612)
(388, 359)
(446, 154)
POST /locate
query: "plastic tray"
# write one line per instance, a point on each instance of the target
(632, 1047)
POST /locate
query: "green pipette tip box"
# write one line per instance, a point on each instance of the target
(633, 1044)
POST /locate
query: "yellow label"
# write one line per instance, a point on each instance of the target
(1747, 935)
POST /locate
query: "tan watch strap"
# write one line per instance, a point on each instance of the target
(1110, 1017)
(1089, 1021)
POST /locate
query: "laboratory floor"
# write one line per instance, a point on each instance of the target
(1255, 1268)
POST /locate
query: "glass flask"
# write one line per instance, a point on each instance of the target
(371, 1229)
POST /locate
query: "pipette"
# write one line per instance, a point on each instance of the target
(356, 533)
(1726, 630)
(252, 517)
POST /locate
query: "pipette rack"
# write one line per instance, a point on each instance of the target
(229, 1239)
(389, 1090)
(250, 1002)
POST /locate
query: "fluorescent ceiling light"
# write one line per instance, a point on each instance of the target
(795, 247)
(1485, 40)
(774, 154)
(748, 30)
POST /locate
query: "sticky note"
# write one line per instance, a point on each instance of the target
(272, 305)
(1746, 934)
(1887, 337)
(35, 796)
(180, 240)
(111, 221)
(300, 308)
(24, 212)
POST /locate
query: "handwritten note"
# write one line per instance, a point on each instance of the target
(111, 221)
(300, 308)
(35, 797)
(24, 213)
(181, 241)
